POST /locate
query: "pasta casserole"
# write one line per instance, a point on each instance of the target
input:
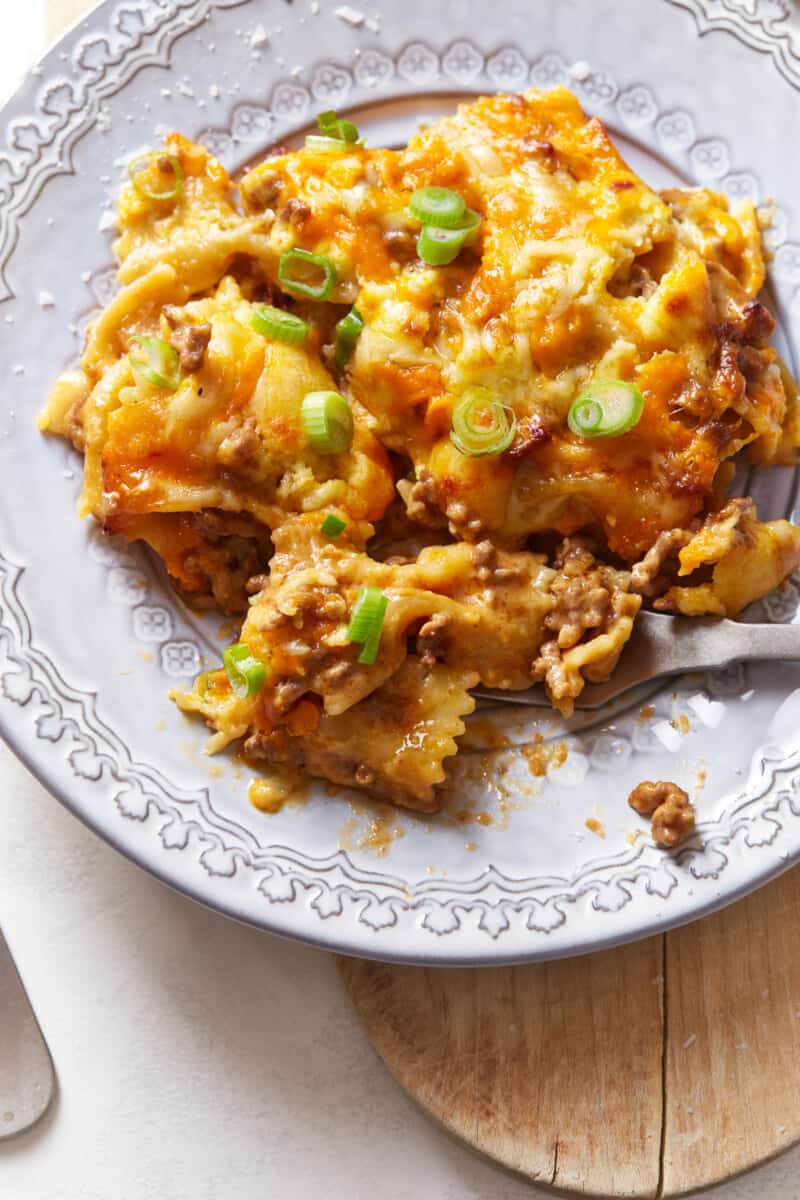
(429, 418)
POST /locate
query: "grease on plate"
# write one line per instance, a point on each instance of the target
(373, 827)
(542, 755)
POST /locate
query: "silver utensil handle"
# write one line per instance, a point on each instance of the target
(689, 643)
(27, 1081)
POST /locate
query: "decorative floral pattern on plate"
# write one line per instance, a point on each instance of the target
(90, 728)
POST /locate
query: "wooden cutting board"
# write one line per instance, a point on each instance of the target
(655, 1069)
(652, 1070)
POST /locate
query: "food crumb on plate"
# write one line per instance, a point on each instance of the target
(671, 812)
(271, 793)
(541, 755)
(681, 723)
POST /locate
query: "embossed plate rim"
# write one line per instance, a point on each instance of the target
(366, 922)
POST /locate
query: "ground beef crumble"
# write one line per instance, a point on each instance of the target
(669, 808)
(421, 499)
(646, 577)
(431, 638)
(589, 598)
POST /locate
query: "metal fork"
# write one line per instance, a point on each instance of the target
(27, 1081)
(662, 645)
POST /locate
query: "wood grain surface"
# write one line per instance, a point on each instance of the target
(61, 13)
(655, 1069)
(651, 1070)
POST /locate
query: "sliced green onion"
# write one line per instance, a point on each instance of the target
(481, 424)
(143, 162)
(606, 409)
(369, 651)
(279, 325)
(302, 260)
(321, 144)
(333, 526)
(163, 367)
(245, 673)
(366, 623)
(438, 247)
(327, 422)
(438, 206)
(470, 225)
(347, 332)
(336, 127)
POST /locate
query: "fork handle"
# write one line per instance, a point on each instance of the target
(699, 644)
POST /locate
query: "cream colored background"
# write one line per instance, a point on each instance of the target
(199, 1060)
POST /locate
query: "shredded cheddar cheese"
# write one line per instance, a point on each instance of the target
(504, 568)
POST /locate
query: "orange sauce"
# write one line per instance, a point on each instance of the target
(271, 793)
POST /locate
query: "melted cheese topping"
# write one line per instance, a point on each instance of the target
(580, 273)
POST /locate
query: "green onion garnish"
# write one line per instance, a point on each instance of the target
(245, 673)
(366, 623)
(163, 367)
(322, 144)
(327, 422)
(144, 162)
(606, 409)
(437, 247)
(277, 324)
(302, 260)
(333, 526)
(347, 332)
(335, 127)
(481, 424)
(438, 206)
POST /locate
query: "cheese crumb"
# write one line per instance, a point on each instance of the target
(580, 71)
(314, 7)
(86, 276)
(108, 220)
(47, 300)
(259, 37)
(215, 91)
(372, 24)
(690, 1041)
(351, 16)
(18, 369)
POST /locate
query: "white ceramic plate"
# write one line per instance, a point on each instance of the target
(91, 637)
